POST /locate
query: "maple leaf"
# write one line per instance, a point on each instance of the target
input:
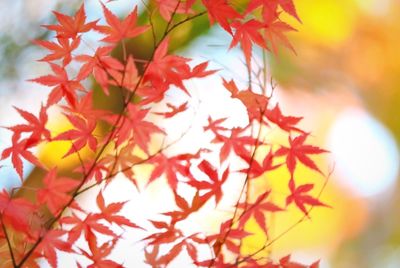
(248, 34)
(101, 64)
(297, 150)
(62, 85)
(35, 125)
(55, 191)
(84, 108)
(17, 150)
(215, 186)
(274, 33)
(86, 226)
(227, 236)
(174, 110)
(200, 71)
(51, 242)
(109, 212)
(129, 79)
(215, 125)
(170, 235)
(165, 70)
(271, 6)
(151, 256)
(98, 253)
(16, 212)
(118, 30)
(62, 50)
(300, 198)
(235, 142)
(287, 123)
(70, 27)
(255, 103)
(82, 135)
(186, 209)
(171, 167)
(221, 12)
(257, 210)
(135, 126)
(256, 170)
(169, 7)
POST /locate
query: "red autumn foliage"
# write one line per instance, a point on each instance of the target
(131, 135)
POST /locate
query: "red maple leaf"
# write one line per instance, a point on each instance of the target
(117, 30)
(135, 126)
(255, 103)
(300, 198)
(165, 70)
(109, 212)
(70, 27)
(85, 226)
(256, 169)
(287, 123)
(98, 254)
(258, 210)
(35, 125)
(55, 191)
(171, 167)
(215, 186)
(215, 125)
(186, 209)
(236, 142)
(18, 149)
(221, 12)
(61, 50)
(248, 33)
(81, 135)
(271, 6)
(174, 110)
(297, 150)
(169, 7)
(274, 32)
(51, 242)
(62, 85)
(16, 212)
(101, 64)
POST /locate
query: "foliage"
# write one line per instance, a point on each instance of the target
(127, 140)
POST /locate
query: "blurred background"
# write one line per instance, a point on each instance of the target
(344, 80)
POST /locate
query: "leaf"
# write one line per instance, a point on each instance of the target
(248, 33)
(62, 85)
(257, 210)
(174, 110)
(171, 167)
(35, 125)
(297, 150)
(215, 186)
(135, 126)
(287, 123)
(109, 212)
(300, 198)
(16, 212)
(55, 191)
(18, 150)
(51, 242)
(117, 30)
(169, 7)
(85, 226)
(62, 50)
(98, 254)
(235, 142)
(70, 27)
(220, 11)
(82, 134)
